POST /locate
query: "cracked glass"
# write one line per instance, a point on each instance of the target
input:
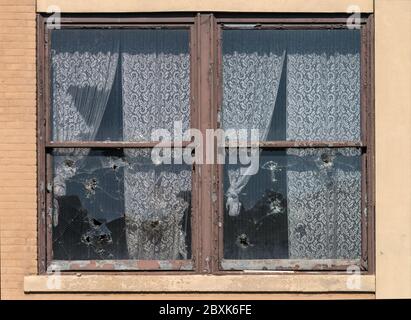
(111, 85)
(117, 204)
(301, 204)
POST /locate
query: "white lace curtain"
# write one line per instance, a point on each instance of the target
(322, 98)
(323, 103)
(156, 92)
(155, 82)
(155, 78)
(324, 204)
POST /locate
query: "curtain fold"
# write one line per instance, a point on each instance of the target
(83, 66)
(251, 79)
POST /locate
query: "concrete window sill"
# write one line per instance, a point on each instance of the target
(296, 283)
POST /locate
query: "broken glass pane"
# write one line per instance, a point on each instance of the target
(119, 84)
(301, 204)
(292, 84)
(118, 204)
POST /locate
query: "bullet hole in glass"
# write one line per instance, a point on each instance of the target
(243, 240)
(90, 186)
(326, 158)
(69, 163)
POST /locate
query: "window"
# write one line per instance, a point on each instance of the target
(294, 93)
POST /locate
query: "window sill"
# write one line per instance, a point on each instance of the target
(297, 283)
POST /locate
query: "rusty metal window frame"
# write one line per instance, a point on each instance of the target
(205, 74)
(366, 144)
(46, 144)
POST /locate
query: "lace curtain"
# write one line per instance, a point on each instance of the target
(83, 68)
(323, 103)
(156, 82)
(323, 85)
(155, 205)
(324, 204)
(153, 67)
(156, 92)
(252, 72)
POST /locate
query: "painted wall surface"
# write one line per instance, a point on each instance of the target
(393, 149)
(205, 5)
(18, 224)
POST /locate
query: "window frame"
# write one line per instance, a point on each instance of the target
(305, 22)
(46, 144)
(206, 94)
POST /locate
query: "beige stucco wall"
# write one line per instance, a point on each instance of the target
(393, 145)
(205, 5)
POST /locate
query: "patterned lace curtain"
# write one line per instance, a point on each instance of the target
(252, 71)
(83, 67)
(156, 92)
(323, 103)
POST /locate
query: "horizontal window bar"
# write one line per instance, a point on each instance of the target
(291, 20)
(120, 265)
(284, 26)
(126, 26)
(122, 20)
(289, 264)
(114, 144)
(296, 144)
(151, 144)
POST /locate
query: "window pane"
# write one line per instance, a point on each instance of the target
(301, 204)
(119, 84)
(156, 82)
(117, 204)
(292, 84)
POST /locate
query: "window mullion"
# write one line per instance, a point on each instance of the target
(208, 247)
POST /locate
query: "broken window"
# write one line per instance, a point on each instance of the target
(117, 204)
(118, 86)
(303, 203)
(108, 84)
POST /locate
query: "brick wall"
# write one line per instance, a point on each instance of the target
(17, 144)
